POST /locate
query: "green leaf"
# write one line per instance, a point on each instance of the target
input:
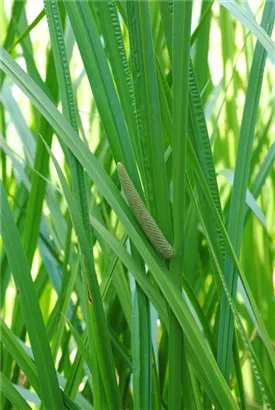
(12, 394)
(248, 21)
(250, 200)
(237, 208)
(178, 366)
(97, 326)
(148, 114)
(98, 72)
(209, 369)
(203, 185)
(30, 308)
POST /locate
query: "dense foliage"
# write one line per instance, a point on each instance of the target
(98, 311)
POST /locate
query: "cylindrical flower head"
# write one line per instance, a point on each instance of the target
(145, 220)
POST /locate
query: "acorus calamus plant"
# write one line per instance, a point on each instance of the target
(137, 205)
